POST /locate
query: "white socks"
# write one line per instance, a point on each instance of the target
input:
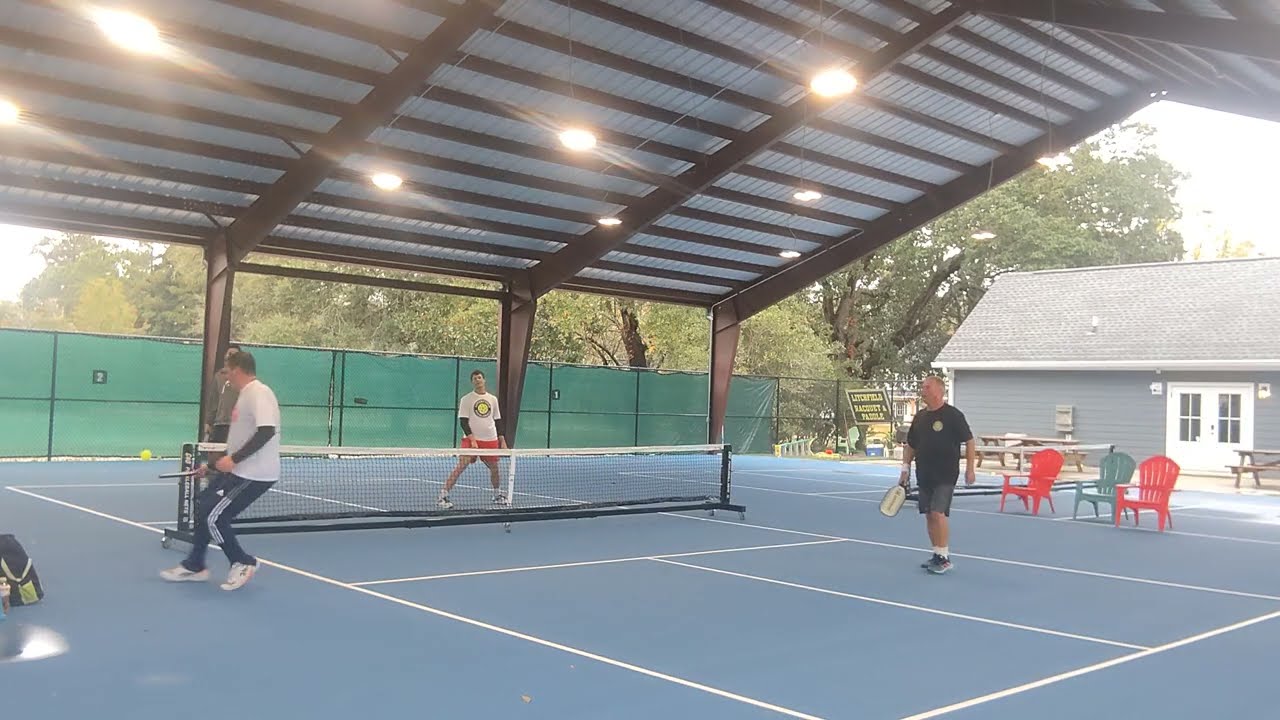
(941, 551)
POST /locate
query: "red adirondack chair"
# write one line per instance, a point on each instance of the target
(1046, 465)
(1156, 477)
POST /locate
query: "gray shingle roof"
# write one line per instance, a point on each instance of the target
(1225, 310)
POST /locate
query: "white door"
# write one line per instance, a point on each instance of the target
(1207, 423)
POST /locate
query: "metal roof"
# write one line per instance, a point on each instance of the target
(241, 131)
(1221, 310)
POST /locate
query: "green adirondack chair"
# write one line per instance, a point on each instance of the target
(1115, 469)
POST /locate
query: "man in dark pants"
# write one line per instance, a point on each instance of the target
(248, 470)
(937, 432)
(223, 397)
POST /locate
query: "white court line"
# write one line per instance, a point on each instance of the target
(161, 522)
(906, 606)
(1019, 689)
(584, 563)
(1038, 518)
(1018, 563)
(849, 492)
(475, 623)
(95, 485)
(324, 499)
(817, 480)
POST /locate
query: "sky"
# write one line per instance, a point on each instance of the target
(1230, 162)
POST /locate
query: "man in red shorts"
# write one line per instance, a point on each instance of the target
(479, 416)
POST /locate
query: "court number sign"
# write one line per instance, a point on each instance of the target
(869, 407)
(99, 377)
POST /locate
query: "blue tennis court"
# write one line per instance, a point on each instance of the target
(814, 606)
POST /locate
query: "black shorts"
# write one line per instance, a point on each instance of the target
(935, 498)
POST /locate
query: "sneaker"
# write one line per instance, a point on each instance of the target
(239, 575)
(445, 502)
(499, 499)
(939, 565)
(929, 563)
(181, 574)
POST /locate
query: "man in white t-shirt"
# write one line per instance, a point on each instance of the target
(249, 468)
(481, 428)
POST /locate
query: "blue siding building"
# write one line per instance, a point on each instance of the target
(1180, 359)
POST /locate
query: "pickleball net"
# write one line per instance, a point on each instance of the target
(351, 487)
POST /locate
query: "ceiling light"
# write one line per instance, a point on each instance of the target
(9, 113)
(576, 139)
(807, 195)
(789, 254)
(386, 181)
(830, 83)
(610, 221)
(129, 31)
(983, 235)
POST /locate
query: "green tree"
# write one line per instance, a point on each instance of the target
(103, 307)
(891, 312)
(72, 261)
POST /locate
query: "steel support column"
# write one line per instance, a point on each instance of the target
(515, 331)
(725, 332)
(220, 278)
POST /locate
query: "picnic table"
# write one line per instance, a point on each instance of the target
(999, 446)
(1256, 462)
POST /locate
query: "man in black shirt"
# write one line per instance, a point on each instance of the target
(937, 432)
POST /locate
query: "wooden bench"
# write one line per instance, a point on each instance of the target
(1257, 471)
(998, 452)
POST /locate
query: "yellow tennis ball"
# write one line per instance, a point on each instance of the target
(146, 454)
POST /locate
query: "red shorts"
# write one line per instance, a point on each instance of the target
(470, 442)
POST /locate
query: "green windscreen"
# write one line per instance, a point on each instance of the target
(116, 396)
(397, 400)
(25, 386)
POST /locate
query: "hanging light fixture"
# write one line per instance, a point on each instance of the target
(386, 181)
(833, 83)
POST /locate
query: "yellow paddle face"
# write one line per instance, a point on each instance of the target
(893, 501)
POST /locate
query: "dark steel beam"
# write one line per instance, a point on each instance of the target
(1036, 35)
(1262, 107)
(661, 202)
(515, 334)
(1246, 16)
(1234, 37)
(791, 182)
(725, 332)
(1128, 51)
(632, 291)
(366, 280)
(59, 156)
(219, 283)
(813, 268)
(849, 133)
(350, 132)
(308, 250)
(1028, 63)
(75, 220)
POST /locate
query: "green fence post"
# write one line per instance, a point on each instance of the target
(53, 394)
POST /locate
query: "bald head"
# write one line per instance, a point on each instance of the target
(933, 391)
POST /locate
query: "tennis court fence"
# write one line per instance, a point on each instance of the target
(68, 394)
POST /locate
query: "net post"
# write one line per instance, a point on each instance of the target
(725, 472)
(511, 479)
(186, 489)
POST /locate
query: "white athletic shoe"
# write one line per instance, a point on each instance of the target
(181, 574)
(239, 575)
